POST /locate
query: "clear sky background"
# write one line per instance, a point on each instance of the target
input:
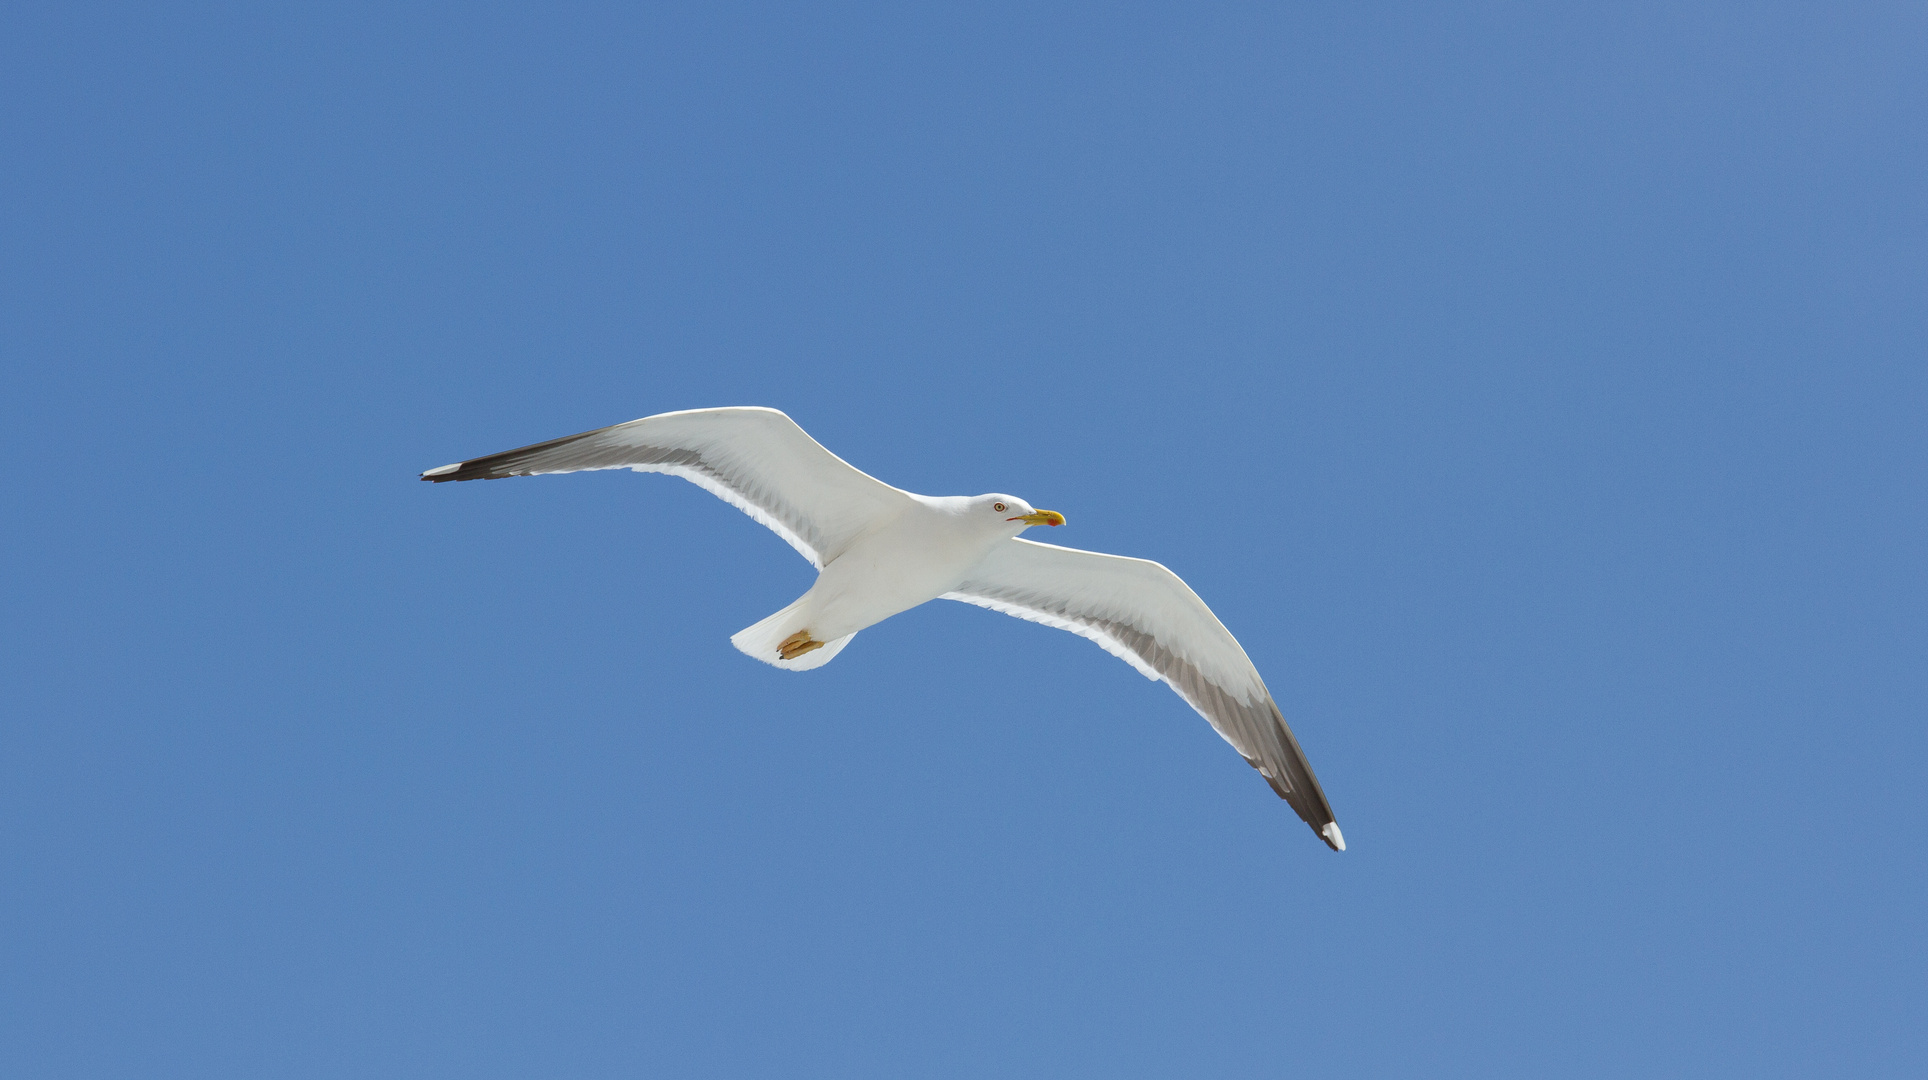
(1538, 392)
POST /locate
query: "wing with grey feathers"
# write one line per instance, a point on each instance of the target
(757, 460)
(1143, 614)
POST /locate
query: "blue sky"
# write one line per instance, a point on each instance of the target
(1537, 394)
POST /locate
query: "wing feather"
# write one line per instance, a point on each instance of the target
(1146, 616)
(757, 460)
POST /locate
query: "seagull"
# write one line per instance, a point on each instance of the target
(880, 550)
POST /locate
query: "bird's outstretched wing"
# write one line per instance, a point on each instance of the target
(1143, 614)
(757, 460)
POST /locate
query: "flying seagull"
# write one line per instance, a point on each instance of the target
(880, 550)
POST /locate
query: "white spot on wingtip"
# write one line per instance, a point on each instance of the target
(1331, 832)
(443, 469)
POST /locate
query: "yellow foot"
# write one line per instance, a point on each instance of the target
(797, 644)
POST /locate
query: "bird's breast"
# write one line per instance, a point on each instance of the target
(893, 570)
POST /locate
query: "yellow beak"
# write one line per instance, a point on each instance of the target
(1041, 517)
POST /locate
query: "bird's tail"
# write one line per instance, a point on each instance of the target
(762, 638)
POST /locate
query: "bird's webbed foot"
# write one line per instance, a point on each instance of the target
(797, 644)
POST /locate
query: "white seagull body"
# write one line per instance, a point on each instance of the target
(882, 550)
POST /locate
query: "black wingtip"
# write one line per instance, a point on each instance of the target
(499, 466)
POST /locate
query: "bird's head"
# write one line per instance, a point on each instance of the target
(1012, 511)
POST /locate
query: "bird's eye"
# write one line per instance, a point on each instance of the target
(999, 507)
